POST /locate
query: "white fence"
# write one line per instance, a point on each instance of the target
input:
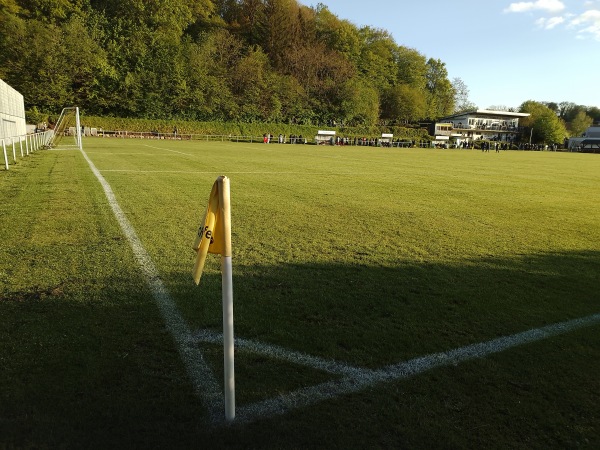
(23, 145)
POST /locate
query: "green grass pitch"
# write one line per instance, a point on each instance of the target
(362, 256)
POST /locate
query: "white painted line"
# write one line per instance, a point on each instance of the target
(124, 153)
(314, 394)
(281, 353)
(204, 382)
(172, 151)
(157, 171)
(244, 173)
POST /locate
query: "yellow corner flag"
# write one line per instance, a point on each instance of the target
(214, 233)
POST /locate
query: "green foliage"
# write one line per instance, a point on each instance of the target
(440, 98)
(245, 128)
(580, 123)
(404, 102)
(247, 60)
(545, 126)
(34, 116)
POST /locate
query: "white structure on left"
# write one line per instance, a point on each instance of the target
(12, 112)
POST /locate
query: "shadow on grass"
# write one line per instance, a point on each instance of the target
(373, 316)
(92, 366)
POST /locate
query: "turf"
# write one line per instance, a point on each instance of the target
(360, 255)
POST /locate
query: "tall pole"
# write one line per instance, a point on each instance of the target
(78, 128)
(227, 292)
(5, 157)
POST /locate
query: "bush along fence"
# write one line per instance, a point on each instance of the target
(265, 138)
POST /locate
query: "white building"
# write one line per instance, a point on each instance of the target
(325, 137)
(386, 139)
(480, 124)
(12, 112)
(588, 142)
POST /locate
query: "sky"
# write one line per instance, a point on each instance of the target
(506, 52)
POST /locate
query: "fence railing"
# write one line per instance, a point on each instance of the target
(194, 137)
(23, 145)
(353, 140)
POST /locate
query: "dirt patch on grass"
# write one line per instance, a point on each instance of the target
(33, 296)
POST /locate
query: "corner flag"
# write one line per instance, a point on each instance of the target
(214, 236)
(214, 233)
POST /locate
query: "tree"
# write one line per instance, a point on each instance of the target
(461, 96)
(359, 103)
(281, 31)
(294, 104)
(36, 65)
(544, 125)
(51, 11)
(85, 64)
(9, 7)
(217, 60)
(564, 109)
(552, 106)
(322, 73)
(580, 123)
(252, 21)
(404, 103)
(440, 98)
(377, 63)
(594, 113)
(339, 35)
(411, 68)
(253, 86)
(208, 64)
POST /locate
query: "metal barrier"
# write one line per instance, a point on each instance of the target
(178, 136)
(354, 140)
(27, 143)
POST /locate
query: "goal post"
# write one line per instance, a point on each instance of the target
(67, 131)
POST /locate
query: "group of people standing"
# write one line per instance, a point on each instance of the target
(282, 139)
(485, 146)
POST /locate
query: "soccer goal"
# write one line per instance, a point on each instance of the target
(67, 132)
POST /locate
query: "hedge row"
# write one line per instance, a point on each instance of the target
(243, 129)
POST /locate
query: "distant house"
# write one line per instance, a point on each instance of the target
(589, 142)
(481, 124)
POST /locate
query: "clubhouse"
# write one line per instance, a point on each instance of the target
(589, 142)
(465, 128)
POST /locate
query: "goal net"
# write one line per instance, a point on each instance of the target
(67, 131)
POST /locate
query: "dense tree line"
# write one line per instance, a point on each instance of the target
(231, 60)
(552, 123)
(224, 60)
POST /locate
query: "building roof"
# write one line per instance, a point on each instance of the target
(485, 112)
(593, 132)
